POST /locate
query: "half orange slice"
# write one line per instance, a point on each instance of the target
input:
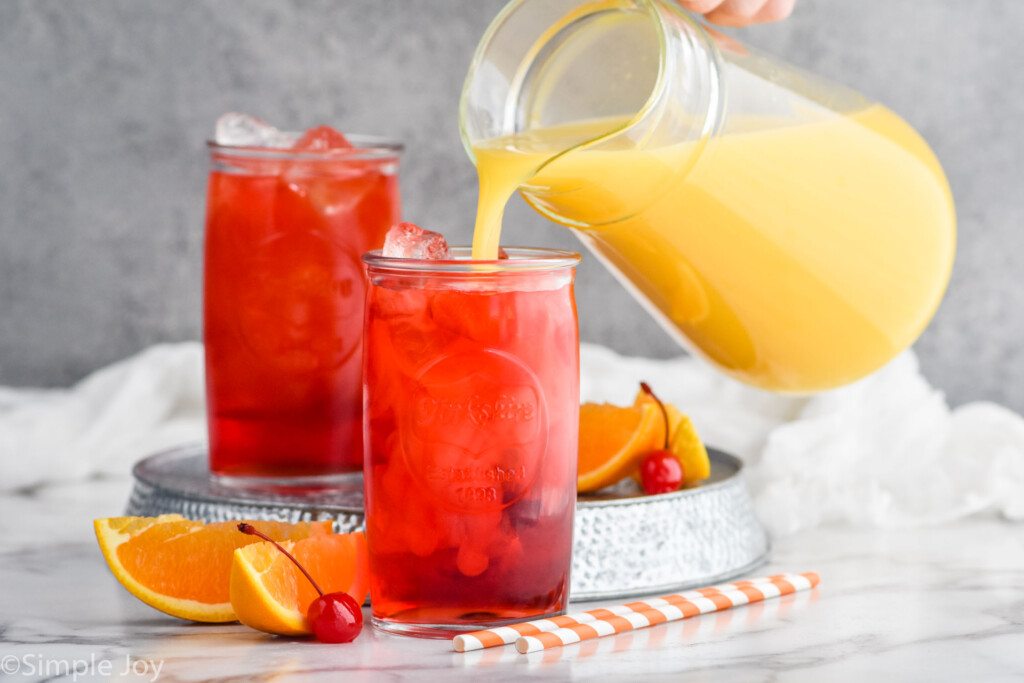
(684, 443)
(690, 451)
(270, 594)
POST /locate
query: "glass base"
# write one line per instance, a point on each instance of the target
(292, 485)
(447, 631)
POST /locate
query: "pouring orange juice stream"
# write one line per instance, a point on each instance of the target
(795, 258)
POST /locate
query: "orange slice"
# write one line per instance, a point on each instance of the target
(690, 451)
(613, 440)
(269, 593)
(684, 442)
(182, 567)
(674, 416)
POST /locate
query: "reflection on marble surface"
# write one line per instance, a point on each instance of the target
(933, 604)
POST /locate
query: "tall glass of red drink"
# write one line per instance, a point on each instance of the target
(283, 304)
(472, 416)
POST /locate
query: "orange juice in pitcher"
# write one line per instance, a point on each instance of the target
(792, 233)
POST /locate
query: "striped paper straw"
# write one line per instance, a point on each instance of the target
(711, 602)
(765, 587)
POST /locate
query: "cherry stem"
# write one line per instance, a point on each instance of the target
(253, 531)
(664, 413)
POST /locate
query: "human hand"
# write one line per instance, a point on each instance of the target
(740, 12)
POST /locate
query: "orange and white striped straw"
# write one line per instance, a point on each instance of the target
(711, 601)
(572, 628)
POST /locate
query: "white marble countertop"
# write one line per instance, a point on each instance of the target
(935, 604)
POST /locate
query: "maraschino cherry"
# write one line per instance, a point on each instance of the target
(334, 617)
(660, 470)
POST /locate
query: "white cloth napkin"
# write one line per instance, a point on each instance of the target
(884, 451)
(106, 422)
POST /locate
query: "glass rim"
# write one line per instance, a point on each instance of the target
(656, 9)
(521, 259)
(364, 147)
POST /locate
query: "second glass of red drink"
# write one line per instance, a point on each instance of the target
(283, 300)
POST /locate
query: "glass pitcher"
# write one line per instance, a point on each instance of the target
(793, 233)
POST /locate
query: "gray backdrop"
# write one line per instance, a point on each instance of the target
(106, 104)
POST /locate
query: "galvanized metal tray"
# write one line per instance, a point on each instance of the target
(626, 544)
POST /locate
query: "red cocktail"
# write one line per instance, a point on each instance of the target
(472, 400)
(284, 292)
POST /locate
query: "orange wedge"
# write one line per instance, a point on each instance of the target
(684, 442)
(182, 567)
(613, 440)
(270, 594)
(674, 416)
(690, 451)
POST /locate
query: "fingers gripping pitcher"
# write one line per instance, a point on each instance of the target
(784, 228)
